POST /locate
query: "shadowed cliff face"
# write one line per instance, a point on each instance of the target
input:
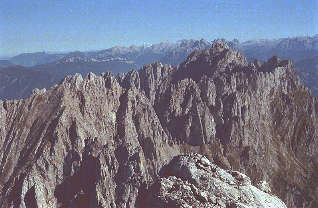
(102, 141)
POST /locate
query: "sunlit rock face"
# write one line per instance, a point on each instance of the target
(193, 181)
(104, 141)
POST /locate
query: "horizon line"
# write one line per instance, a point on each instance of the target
(2, 56)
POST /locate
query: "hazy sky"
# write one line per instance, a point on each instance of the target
(66, 25)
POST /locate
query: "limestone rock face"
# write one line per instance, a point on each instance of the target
(103, 141)
(193, 181)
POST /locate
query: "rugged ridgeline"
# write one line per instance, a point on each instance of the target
(104, 141)
(302, 51)
(15, 81)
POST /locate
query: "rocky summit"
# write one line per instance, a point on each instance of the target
(129, 141)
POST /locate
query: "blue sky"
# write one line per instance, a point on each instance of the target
(67, 25)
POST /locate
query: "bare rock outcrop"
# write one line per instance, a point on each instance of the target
(193, 181)
(102, 141)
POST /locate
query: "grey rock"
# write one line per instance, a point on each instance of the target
(209, 190)
(103, 141)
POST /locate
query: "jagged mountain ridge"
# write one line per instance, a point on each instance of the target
(122, 59)
(73, 65)
(116, 59)
(119, 133)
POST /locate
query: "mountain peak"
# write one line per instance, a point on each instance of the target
(218, 59)
(218, 47)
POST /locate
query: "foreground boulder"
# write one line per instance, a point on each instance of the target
(193, 181)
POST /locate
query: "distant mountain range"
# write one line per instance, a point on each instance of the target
(5, 63)
(33, 59)
(137, 56)
(296, 49)
(18, 81)
(301, 50)
(307, 69)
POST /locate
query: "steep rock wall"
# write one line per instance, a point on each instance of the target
(102, 141)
